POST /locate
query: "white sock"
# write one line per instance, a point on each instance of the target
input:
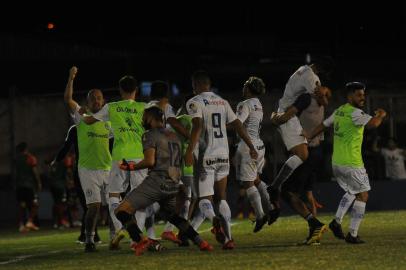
(343, 207)
(113, 204)
(206, 207)
(225, 211)
(151, 229)
(255, 200)
(285, 172)
(140, 217)
(185, 210)
(266, 203)
(197, 219)
(357, 214)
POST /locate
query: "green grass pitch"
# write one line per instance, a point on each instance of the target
(273, 248)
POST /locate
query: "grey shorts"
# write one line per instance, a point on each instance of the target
(154, 189)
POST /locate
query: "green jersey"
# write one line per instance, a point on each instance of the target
(126, 122)
(186, 121)
(93, 144)
(349, 123)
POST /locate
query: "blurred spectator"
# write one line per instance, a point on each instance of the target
(28, 184)
(394, 159)
(58, 173)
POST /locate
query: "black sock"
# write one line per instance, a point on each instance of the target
(134, 232)
(185, 228)
(313, 222)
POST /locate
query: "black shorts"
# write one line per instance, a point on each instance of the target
(303, 178)
(154, 189)
(58, 194)
(27, 195)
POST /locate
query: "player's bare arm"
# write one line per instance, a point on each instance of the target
(281, 118)
(322, 95)
(72, 104)
(178, 127)
(197, 125)
(239, 128)
(376, 121)
(319, 129)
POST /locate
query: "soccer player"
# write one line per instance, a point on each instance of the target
(210, 115)
(94, 155)
(303, 84)
(162, 156)
(159, 96)
(250, 113)
(349, 121)
(300, 183)
(126, 122)
(28, 184)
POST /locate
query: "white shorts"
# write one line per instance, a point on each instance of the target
(211, 170)
(120, 179)
(291, 133)
(94, 184)
(247, 169)
(352, 180)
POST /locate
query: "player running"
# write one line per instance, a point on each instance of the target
(349, 121)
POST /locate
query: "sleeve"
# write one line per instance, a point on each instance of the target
(329, 121)
(310, 81)
(242, 111)
(194, 109)
(360, 118)
(169, 112)
(31, 160)
(76, 117)
(148, 141)
(71, 137)
(230, 114)
(103, 114)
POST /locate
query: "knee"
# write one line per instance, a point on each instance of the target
(363, 196)
(302, 152)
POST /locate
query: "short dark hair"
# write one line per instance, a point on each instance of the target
(256, 85)
(21, 147)
(128, 84)
(155, 112)
(201, 77)
(159, 89)
(324, 64)
(351, 87)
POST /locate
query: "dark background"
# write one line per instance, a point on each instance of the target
(169, 41)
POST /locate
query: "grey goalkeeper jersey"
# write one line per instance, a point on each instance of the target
(168, 153)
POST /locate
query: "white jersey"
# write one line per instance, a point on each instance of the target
(394, 163)
(168, 111)
(304, 80)
(310, 118)
(250, 113)
(215, 113)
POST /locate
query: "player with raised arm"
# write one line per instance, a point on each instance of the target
(210, 114)
(94, 162)
(349, 121)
